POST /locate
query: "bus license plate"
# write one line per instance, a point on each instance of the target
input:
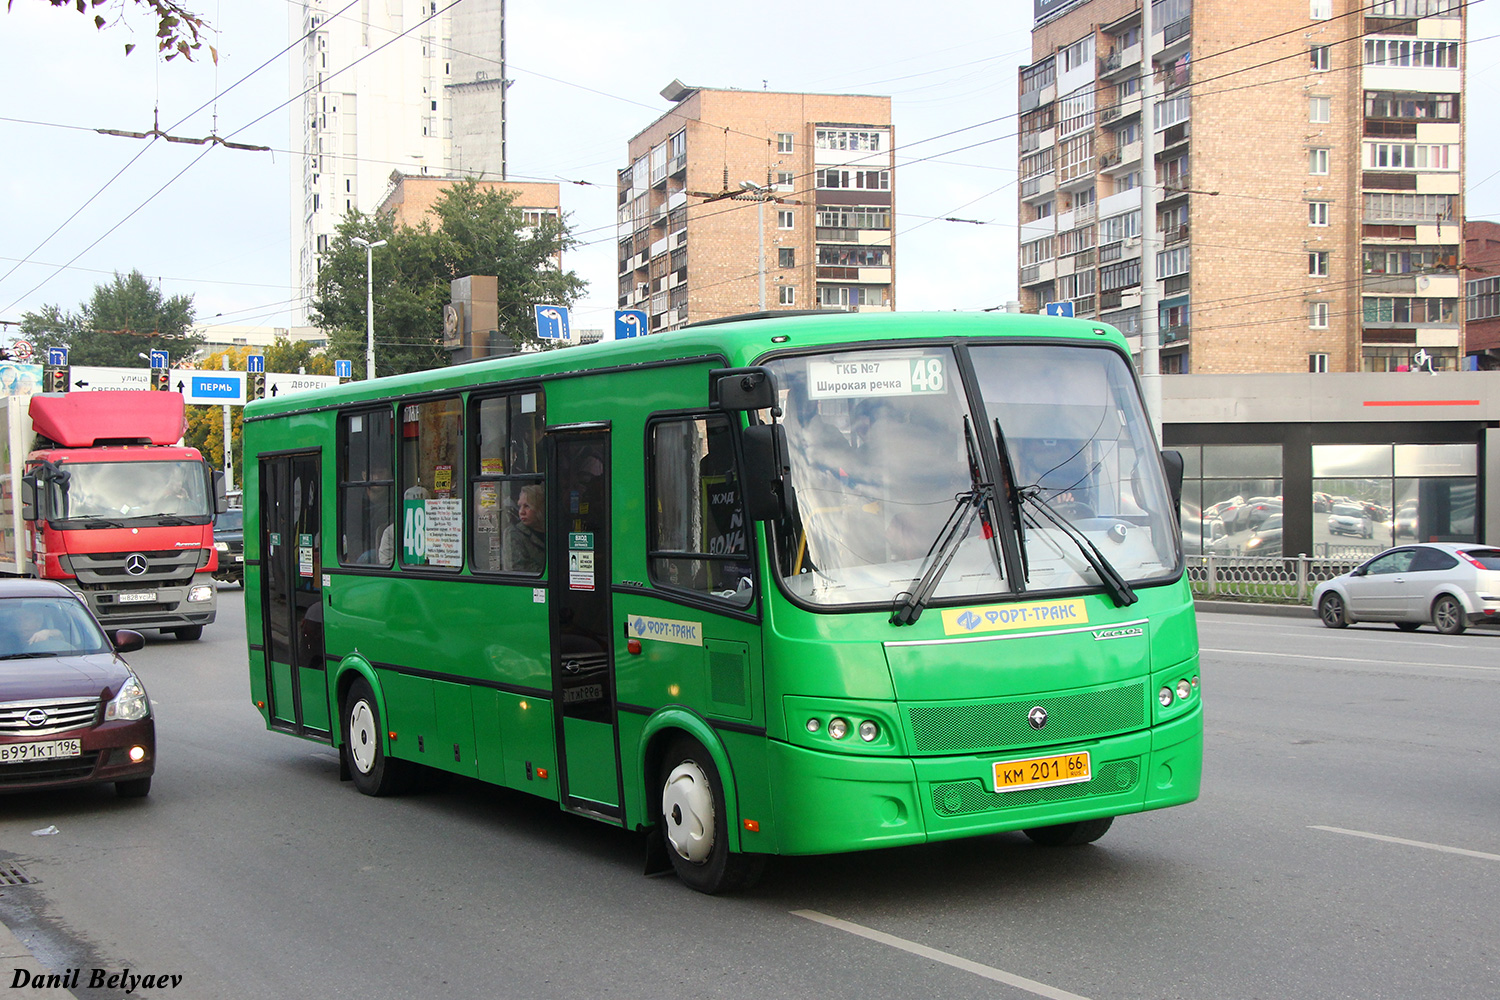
(19, 753)
(137, 597)
(1042, 772)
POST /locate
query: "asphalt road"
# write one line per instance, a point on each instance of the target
(1346, 845)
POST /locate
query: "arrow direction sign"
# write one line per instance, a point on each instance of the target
(343, 369)
(1059, 309)
(159, 359)
(218, 388)
(552, 322)
(280, 384)
(255, 363)
(88, 378)
(630, 323)
(57, 357)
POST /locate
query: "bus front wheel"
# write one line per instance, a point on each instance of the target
(372, 772)
(1070, 834)
(695, 824)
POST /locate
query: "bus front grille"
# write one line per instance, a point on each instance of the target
(961, 798)
(1003, 725)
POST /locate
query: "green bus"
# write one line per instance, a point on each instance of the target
(777, 585)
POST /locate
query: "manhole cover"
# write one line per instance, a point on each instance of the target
(11, 874)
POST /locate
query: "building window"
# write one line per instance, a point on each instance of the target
(788, 295)
(1411, 52)
(783, 142)
(1320, 110)
(1317, 315)
(785, 180)
(1409, 156)
(1317, 213)
(1376, 495)
(1229, 492)
(849, 139)
(1042, 210)
(1320, 10)
(1484, 298)
(1317, 264)
(1321, 59)
(1317, 161)
(1317, 364)
(785, 219)
(1080, 53)
(786, 256)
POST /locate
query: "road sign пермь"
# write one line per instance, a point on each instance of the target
(207, 388)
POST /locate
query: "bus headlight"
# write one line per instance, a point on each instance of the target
(200, 593)
(838, 728)
(869, 731)
(1165, 697)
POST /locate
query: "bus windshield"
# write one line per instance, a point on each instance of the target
(878, 457)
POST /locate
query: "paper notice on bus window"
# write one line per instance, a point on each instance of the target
(871, 376)
(445, 532)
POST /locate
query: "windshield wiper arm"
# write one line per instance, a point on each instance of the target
(167, 518)
(95, 521)
(1121, 591)
(967, 508)
(1013, 497)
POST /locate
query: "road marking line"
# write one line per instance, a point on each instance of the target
(1409, 843)
(988, 972)
(1352, 659)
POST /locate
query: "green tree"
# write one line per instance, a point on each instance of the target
(123, 319)
(179, 32)
(479, 232)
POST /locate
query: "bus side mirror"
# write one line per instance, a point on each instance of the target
(28, 497)
(221, 498)
(765, 471)
(1172, 462)
(737, 390)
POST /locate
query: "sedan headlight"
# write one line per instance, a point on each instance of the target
(130, 704)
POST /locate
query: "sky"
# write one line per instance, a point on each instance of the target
(214, 223)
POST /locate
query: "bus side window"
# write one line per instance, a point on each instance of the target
(699, 535)
(509, 502)
(366, 481)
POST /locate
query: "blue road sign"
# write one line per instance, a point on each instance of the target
(159, 359)
(552, 322)
(211, 387)
(255, 363)
(630, 323)
(343, 369)
(1059, 309)
(57, 357)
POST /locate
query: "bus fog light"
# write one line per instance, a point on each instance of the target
(869, 731)
(200, 593)
(1184, 690)
(813, 725)
(1165, 697)
(838, 728)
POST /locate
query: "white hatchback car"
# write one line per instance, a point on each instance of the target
(1451, 585)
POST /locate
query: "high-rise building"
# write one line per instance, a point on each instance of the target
(381, 89)
(737, 201)
(1253, 187)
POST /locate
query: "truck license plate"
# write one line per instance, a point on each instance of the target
(137, 597)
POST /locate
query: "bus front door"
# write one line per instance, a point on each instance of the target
(583, 670)
(291, 567)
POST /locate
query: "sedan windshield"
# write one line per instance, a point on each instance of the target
(105, 492)
(48, 626)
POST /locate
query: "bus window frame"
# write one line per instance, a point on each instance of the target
(476, 475)
(664, 589)
(342, 482)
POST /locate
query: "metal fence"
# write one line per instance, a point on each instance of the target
(1264, 578)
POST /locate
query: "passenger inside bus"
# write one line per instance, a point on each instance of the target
(525, 545)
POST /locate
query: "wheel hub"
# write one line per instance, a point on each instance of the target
(687, 805)
(362, 737)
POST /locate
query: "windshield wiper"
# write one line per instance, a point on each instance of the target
(967, 508)
(167, 518)
(1121, 591)
(1013, 497)
(32, 655)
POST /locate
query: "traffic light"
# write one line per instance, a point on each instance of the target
(258, 385)
(162, 379)
(56, 379)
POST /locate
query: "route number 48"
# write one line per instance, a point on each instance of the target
(927, 375)
(414, 533)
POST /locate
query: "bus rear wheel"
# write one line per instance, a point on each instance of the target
(372, 772)
(1070, 834)
(695, 824)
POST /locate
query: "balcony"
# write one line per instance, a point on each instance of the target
(1174, 235)
(1175, 334)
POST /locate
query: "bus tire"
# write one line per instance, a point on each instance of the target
(1070, 834)
(372, 772)
(694, 822)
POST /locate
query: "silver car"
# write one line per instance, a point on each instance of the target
(1451, 585)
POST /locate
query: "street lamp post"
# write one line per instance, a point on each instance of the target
(369, 301)
(761, 193)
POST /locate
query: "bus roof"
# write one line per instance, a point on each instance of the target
(741, 342)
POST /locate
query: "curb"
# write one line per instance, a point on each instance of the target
(16, 956)
(1251, 608)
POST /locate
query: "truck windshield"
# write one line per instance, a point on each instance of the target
(112, 491)
(878, 455)
(1082, 448)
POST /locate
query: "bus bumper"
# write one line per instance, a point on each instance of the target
(828, 803)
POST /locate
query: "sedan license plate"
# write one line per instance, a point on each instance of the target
(20, 753)
(137, 597)
(1042, 772)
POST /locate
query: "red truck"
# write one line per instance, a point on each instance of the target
(111, 506)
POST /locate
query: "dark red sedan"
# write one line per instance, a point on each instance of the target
(71, 711)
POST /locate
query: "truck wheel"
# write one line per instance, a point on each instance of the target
(188, 633)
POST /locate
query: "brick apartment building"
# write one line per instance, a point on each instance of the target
(1278, 184)
(736, 201)
(1482, 294)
